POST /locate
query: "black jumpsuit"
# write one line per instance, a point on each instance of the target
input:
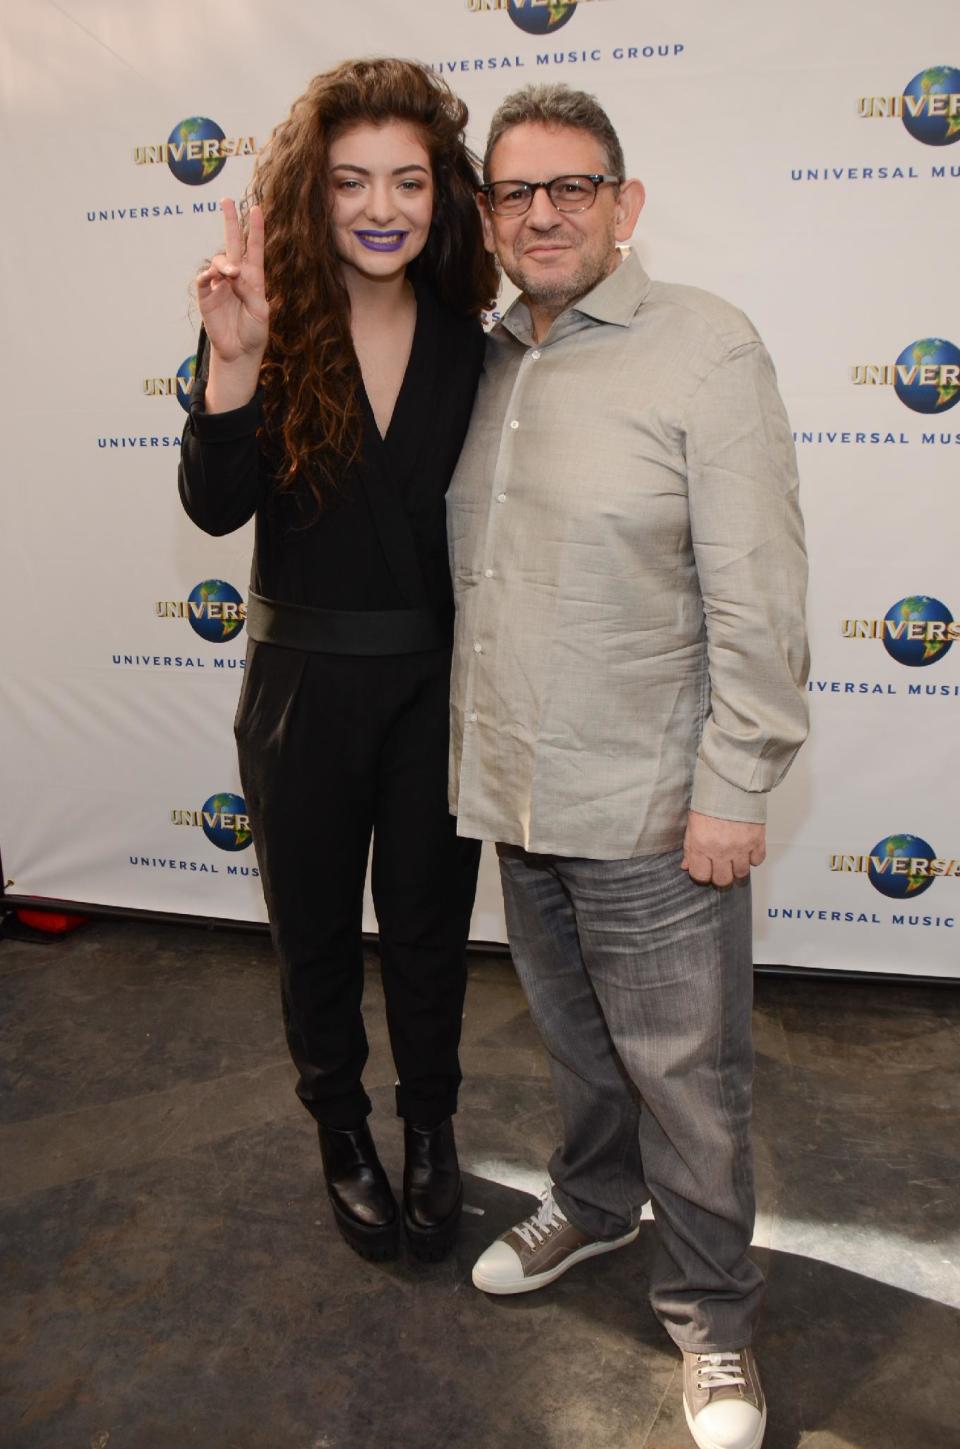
(334, 747)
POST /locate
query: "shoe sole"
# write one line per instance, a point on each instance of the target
(541, 1280)
(702, 1442)
(375, 1244)
(432, 1244)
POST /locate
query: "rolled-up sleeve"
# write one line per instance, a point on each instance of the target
(747, 535)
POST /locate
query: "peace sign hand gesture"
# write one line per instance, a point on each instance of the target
(234, 309)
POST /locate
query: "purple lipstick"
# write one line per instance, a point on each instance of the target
(381, 241)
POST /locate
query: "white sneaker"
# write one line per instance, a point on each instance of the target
(538, 1250)
(723, 1399)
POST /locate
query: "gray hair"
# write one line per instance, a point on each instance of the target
(556, 105)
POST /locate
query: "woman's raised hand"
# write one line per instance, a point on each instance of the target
(231, 292)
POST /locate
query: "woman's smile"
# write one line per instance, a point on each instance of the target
(381, 241)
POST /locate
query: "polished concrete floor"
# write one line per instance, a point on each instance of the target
(171, 1277)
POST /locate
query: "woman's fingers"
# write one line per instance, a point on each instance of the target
(255, 245)
(218, 271)
(238, 259)
(232, 239)
(230, 288)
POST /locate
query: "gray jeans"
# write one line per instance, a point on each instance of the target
(641, 985)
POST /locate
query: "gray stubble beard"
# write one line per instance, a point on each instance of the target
(558, 297)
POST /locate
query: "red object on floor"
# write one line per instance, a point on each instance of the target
(57, 923)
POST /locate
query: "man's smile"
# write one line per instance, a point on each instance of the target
(546, 248)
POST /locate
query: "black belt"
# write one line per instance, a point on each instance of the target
(347, 631)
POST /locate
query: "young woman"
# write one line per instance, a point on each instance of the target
(340, 353)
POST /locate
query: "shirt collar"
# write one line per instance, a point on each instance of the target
(614, 300)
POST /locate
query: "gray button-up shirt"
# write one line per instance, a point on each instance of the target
(628, 565)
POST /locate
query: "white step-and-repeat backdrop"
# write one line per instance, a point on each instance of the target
(801, 161)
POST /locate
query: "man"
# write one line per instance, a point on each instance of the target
(629, 571)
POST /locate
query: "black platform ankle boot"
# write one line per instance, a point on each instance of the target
(432, 1189)
(363, 1204)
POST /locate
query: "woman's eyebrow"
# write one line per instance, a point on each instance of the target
(363, 171)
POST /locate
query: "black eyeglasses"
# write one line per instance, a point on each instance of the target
(567, 193)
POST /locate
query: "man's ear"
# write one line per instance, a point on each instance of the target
(630, 199)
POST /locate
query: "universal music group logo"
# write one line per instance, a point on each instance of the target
(925, 376)
(542, 19)
(928, 109)
(214, 609)
(179, 386)
(915, 631)
(929, 106)
(195, 153)
(196, 150)
(899, 866)
(224, 819)
(536, 17)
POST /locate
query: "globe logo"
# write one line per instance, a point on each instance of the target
(541, 19)
(901, 884)
(195, 169)
(186, 373)
(916, 609)
(934, 127)
(215, 610)
(912, 386)
(226, 823)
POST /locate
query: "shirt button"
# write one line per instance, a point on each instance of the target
(514, 424)
(472, 717)
(535, 355)
(501, 498)
(478, 648)
(488, 573)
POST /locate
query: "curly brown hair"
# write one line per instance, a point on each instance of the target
(310, 372)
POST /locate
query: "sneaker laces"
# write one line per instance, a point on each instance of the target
(719, 1371)
(543, 1222)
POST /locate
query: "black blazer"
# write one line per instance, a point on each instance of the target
(348, 555)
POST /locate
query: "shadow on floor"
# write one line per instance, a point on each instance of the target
(172, 1278)
(207, 1300)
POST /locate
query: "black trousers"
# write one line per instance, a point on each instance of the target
(334, 749)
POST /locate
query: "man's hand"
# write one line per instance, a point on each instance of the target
(717, 852)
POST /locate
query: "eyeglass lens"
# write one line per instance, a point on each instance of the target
(568, 193)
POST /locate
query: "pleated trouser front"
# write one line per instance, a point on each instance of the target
(336, 749)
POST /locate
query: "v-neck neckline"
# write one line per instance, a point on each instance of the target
(407, 382)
